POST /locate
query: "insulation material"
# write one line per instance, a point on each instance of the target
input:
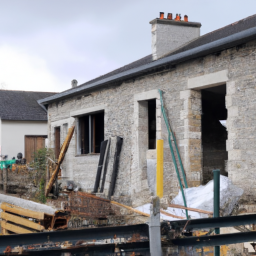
(202, 197)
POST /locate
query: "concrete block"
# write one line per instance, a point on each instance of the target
(228, 100)
(234, 155)
(185, 94)
(231, 87)
(151, 154)
(233, 111)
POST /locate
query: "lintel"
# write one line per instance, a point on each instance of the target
(85, 111)
(209, 80)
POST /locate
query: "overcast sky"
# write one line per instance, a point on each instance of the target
(44, 44)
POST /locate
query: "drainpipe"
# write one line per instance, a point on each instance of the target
(216, 204)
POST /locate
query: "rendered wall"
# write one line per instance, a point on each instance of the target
(184, 112)
(13, 135)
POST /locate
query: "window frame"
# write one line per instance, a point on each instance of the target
(90, 133)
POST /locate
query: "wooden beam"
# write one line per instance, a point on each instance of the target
(14, 228)
(190, 209)
(63, 151)
(5, 232)
(172, 215)
(130, 208)
(21, 211)
(21, 221)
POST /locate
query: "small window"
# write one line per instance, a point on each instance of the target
(91, 133)
(152, 124)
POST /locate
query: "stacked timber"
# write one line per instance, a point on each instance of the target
(17, 220)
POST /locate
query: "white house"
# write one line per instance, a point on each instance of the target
(23, 123)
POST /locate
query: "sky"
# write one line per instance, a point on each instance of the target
(44, 44)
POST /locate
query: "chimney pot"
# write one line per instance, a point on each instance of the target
(169, 16)
(186, 18)
(161, 15)
(177, 17)
(74, 83)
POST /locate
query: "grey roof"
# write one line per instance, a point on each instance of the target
(22, 105)
(229, 36)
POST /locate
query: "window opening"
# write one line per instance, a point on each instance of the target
(57, 141)
(152, 124)
(91, 132)
(214, 132)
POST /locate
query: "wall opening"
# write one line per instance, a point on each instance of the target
(214, 132)
(91, 133)
(152, 124)
(57, 141)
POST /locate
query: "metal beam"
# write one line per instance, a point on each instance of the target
(216, 239)
(124, 235)
(229, 221)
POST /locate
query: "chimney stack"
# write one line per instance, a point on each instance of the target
(169, 34)
(74, 83)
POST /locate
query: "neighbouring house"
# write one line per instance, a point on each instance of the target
(23, 123)
(206, 81)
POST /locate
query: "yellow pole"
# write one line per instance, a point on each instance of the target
(160, 168)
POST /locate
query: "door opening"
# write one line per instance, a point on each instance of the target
(214, 132)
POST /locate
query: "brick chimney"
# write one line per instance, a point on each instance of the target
(170, 34)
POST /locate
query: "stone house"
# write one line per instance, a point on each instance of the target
(206, 81)
(23, 123)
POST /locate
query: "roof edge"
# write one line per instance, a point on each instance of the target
(221, 44)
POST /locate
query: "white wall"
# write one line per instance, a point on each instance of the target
(12, 135)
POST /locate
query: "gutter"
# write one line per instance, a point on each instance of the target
(218, 45)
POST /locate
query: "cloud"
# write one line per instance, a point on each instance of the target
(62, 40)
(21, 71)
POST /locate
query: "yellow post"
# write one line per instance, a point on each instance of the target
(160, 168)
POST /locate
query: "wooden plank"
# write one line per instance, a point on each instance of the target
(21, 211)
(29, 148)
(190, 209)
(21, 221)
(5, 232)
(130, 208)
(14, 228)
(63, 151)
(172, 215)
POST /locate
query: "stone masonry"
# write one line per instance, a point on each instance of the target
(183, 106)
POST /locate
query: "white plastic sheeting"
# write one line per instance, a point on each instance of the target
(201, 197)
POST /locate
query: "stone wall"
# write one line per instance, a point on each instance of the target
(184, 112)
